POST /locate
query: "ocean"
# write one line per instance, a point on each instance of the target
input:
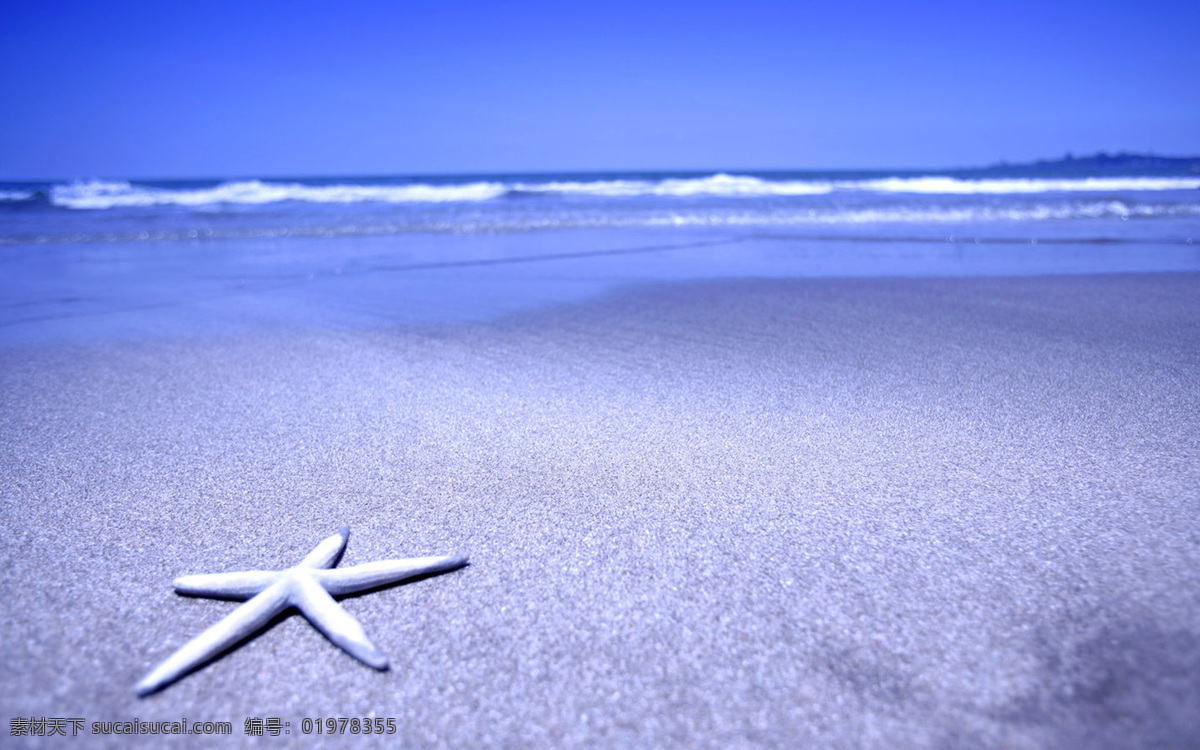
(875, 202)
(215, 254)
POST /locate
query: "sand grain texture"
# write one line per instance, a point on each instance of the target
(733, 514)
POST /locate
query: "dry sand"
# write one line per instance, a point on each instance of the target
(888, 513)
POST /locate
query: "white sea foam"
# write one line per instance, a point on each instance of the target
(955, 186)
(97, 194)
(725, 185)
(15, 195)
(716, 185)
(927, 215)
(101, 194)
(481, 220)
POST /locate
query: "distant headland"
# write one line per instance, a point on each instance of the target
(1102, 161)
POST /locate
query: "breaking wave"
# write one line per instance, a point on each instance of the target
(956, 186)
(119, 194)
(721, 185)
(98, 194)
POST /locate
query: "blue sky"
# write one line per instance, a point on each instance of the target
(295, 88)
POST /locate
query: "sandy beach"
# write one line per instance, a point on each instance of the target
(620, 375)
(727, 513)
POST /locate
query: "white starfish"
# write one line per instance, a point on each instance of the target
(309, 587)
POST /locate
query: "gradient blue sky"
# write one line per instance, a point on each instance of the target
(298, 88)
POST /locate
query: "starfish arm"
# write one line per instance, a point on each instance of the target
(241, 585)
(327, 552)
(373, 575)
(239, 625)
(336, 623)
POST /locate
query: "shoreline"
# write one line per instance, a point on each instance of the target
(173, 291)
